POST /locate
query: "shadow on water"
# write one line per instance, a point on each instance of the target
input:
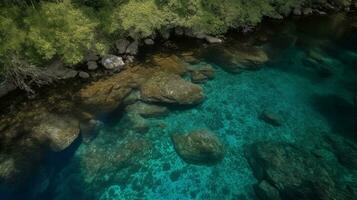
(341, 114)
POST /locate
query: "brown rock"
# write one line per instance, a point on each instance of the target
(199, 147)
(56, 132)
(171, 88)
(170, 64)
(106, 94)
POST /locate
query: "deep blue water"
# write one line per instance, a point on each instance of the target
(311, 103)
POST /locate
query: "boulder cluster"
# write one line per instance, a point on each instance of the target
(54, 125)
(287, 171)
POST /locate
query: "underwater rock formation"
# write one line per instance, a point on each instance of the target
(199, 147)
(271, 118)
(56, 132)
(295, 173)
(202, 73)
(238, 59)
(345, 151)
(147, 110)
(171, 88)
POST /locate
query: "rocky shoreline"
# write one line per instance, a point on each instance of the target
(126, 49)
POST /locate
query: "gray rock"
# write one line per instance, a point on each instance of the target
(133, 48)
(91, 56)
(92, 65)
(83, 75)
(213, 40)
(294, 172)
(6, 87)
(112, 62)
(129, 59)
(122, 45)
(149, 41)
(58, 70)
(200, 35)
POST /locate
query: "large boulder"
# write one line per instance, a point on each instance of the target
(295, 173)
(56, 132)
(345, 150)
(171, 88)
(199, 147)
(112, 62)
(107, 94)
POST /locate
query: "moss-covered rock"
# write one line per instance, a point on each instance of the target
(199, 147)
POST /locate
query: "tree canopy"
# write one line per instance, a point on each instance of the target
(38, 31)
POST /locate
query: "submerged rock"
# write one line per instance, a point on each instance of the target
(237, 60)
(56, 132)
(202, 74)
(190, 58)
(147, 110)
(265, 191)
(271, 118)
(295, 173)
(345, 151)
(250, 58)
(138, 123)
(170, 88)
(112, 62)
(199, 147)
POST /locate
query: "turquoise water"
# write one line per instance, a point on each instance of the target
(121, 163)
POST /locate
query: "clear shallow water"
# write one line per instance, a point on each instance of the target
(122, 164)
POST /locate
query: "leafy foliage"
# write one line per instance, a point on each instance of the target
(38, 31)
